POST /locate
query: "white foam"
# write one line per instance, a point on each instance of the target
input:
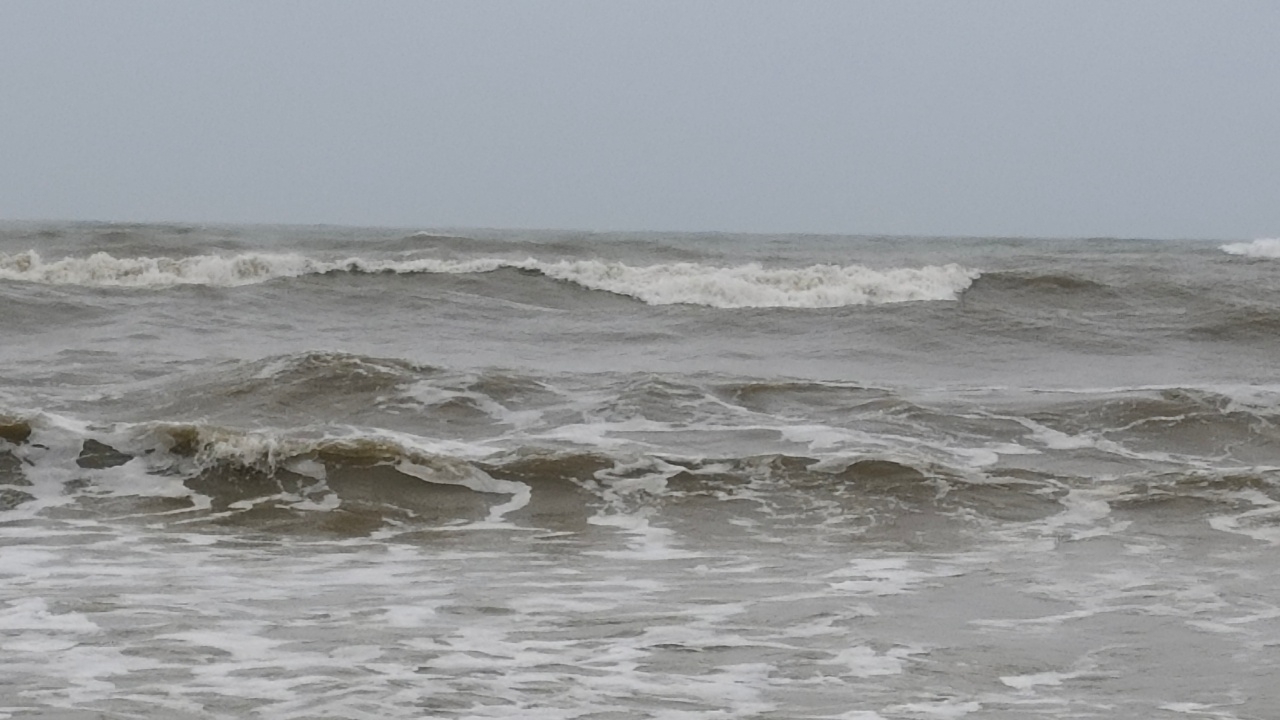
(742, 286)
(866, 662)
(1026, 682)
(1257, 523)
(34, 614)
(648, 542)
(1260, 248)
(1197, 709)
(104, 270)
(943, 710)
(430, 393)
(473, 479)
(880, 577)
(245, 644)
(752, 285)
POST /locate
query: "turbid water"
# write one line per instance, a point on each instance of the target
(299, 472)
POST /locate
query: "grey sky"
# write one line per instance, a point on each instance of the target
(1155, 119)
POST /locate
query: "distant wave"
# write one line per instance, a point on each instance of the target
(1260, 248)
(752, 285)
(105, 270)
(743, 286)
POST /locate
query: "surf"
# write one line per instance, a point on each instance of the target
(750, 285)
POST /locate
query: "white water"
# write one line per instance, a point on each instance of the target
(1260, 248)
(750, 285)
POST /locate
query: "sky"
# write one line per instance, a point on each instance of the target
(1070, 118)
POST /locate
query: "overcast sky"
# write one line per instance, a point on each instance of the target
(1072, 118)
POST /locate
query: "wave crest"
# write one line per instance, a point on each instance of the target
(105, 270)
(743, 286)
(1260, 248)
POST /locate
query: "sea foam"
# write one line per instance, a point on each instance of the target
(105, 270)
(1260, 248)
(752, 285)
(742, 286)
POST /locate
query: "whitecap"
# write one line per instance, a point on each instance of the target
(742, 286)
(1260, 248)
(752, 285)
(105, 270)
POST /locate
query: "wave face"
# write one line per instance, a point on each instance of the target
(1261, 248)
(366, 443)
(742, 286)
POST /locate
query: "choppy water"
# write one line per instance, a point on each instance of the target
(329, 472)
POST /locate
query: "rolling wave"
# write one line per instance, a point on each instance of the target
(361, 480)
(1041, 283)
(414, 447)
(105, 270)
(742, 286)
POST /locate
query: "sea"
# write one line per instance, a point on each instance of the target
(332, 472)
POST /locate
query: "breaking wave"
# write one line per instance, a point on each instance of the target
(358, 483)
(742, 286)
(105, 270)
(1260, 248)
(855, 451)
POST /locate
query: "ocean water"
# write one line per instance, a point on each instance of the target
(304, 472)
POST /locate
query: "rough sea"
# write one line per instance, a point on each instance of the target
(322, 472)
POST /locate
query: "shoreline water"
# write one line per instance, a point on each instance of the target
(634, 475)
